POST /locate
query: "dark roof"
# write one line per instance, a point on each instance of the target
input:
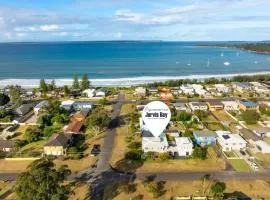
(59, 139)
(7, 144)
(24, 108)
(146, 133)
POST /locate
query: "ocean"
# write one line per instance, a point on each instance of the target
(122, 63)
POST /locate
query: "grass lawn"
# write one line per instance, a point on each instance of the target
(253, 189)
(210, 118)
(212, 163)
(86, 161)
(253, 126)
(7, 166)
(230, 154)
(80, 192)
(240, 165)
(265, 158)
(120, 145)
(222, 115)
(20, 131)
(126, 109)
(214, 126)
(33, 147)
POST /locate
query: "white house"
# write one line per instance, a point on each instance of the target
(153, 91)
(67, 105)
(140, 91)
(184, 146)
(242, 86)
(82, 105)
(154, 144)
(222, 88)
(181, 107)
(40, 105)
(187, 89)
(260, 88)
(198, 106)
(230, 105)
(262, 146)
(89, 92)
(100, 93)
(229, 142)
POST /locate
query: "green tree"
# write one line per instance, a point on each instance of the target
(53, 85)
(85, 84)
(15, 95)
(218, 190)
(4, 99)
(201, 114)
(199, 153)
(134, 155)
(164, 156)
(75, 84)
(42, 181)
(104, 101)
(98, 119)
(183, 116)
(250, 116)
(43, 86)
(66, 90)
(32, 135)
(60, 118)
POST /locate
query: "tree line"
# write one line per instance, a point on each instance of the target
(240, 78)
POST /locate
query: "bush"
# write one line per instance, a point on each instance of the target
(199, 153)
(250, 116)
(32, 135)
(74, 153)
(201, 114)
(183, 116)
(135, 155)
(4, 99)
(49, 130)
(163, 156)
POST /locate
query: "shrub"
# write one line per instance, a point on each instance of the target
(250, 116)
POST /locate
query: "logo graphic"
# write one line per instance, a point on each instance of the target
(156, 116)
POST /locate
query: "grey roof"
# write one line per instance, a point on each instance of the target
(205, 133)
(262, 130)
(41, 104)
(198, 103)
(24, 108)
(146, 133)
(7, 144)
(59, 139)
(248, 134)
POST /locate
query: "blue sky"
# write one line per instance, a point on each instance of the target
(172, 20)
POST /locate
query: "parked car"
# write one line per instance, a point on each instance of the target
(95, 150)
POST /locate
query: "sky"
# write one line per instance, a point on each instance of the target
(170, 20)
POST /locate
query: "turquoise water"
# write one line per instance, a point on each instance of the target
(113, 60)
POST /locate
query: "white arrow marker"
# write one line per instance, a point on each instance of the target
(156, 116)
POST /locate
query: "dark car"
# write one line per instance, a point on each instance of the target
(95, 150)
(243, 153)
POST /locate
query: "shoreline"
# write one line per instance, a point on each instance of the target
(122, 82)
(241, 49)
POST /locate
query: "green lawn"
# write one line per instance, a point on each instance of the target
(240, 165)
